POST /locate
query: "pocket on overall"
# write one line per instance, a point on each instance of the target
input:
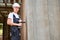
(14, 31)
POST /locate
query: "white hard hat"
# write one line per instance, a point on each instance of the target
(15, 5)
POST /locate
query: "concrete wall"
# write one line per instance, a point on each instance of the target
(43, 19)
(54, 19)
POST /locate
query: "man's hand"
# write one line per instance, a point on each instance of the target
(20, 24)
(20, 20)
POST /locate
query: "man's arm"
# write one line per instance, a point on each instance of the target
(9, 22)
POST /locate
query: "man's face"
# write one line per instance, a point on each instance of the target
(16, 9)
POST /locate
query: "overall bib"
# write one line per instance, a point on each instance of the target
(15, 30)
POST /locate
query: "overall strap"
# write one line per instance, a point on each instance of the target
(14, 16)
(15, 20)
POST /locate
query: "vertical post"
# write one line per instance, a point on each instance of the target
(11, 1)
(23, 16)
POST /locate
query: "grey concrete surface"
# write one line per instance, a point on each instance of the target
(43, 19)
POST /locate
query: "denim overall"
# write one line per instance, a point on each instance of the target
(15, 30)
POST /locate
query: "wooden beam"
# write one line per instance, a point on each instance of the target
(3, 1)
(11, 1)
(6, 3)
(24, 27)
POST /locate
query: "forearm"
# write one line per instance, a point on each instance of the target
(13, 24)
(9, 22)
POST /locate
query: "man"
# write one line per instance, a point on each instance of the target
(13, 20)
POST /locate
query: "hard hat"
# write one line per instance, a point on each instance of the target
(15, 5)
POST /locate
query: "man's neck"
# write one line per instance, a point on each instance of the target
(15, 12)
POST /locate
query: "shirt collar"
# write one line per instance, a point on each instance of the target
(15, 13)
